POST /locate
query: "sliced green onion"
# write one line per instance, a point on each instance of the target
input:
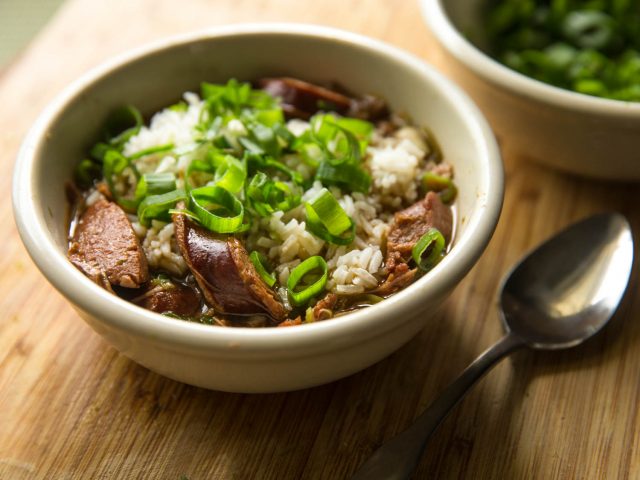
(256, 187)
(261, 100)
(217, 209)
(209, 130)
(122, 124)
(314, 264)
(198, 166)
(114, 164)
(260, 263)
(230, 174)
(327, 220)
(346, 176)
(232, 96)
(251, 146)
(321, 232)
(281, 167)
(270, 117)
(590, 87)
(181, 106)
(283, 133)
(255, 162)
(310, 152)
(427, 252)
(185, 212)
(323, 127)
(266, 196)
(99, 150)
(155, 183)
(151, 150)
(346, 147)
(589, 29)
(326, 209)
(86, 172)
(159, 207)
(235, 97)
(264, 137)
(333, 140)
(360, 128)
(443, 185)
(282, 197)
(257, 195)
(339, 143)
(218, 169)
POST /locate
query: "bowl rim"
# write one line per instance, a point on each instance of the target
(438, 21)
(307, 339)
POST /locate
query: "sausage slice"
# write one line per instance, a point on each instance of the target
(170, 296)
(407, 228)
(106, 249)
(413, 222)
(221, 266)
(302, 99)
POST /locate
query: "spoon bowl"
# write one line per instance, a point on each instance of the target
(568, 288)
(559, 295)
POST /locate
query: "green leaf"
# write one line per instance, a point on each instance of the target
(122, 124)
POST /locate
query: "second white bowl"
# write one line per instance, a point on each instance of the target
(573, 132)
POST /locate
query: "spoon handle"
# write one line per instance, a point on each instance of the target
(398, 458)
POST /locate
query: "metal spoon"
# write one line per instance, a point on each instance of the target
(558, 296)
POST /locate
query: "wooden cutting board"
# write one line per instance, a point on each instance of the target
(71, 407)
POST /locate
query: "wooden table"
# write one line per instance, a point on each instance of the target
(71, 407)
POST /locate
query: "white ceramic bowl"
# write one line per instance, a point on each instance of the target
(577, 133)
(255, 360)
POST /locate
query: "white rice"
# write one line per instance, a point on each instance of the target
(355, 271)
(93, 197)
(394, 169)
(168, 126)
(161, 249)
(393, 162)
(293, 240)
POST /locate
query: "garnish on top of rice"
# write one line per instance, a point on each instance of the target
(275, 204)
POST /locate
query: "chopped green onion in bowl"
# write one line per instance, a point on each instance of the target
(260, 263)
(590, 47)
(328, 220)
(428, 251)
(301, 293)
(158, 207)
(217, 209)
(155, 184)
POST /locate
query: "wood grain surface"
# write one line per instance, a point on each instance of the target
(71, 407)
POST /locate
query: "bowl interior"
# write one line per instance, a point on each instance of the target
(153, 78)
